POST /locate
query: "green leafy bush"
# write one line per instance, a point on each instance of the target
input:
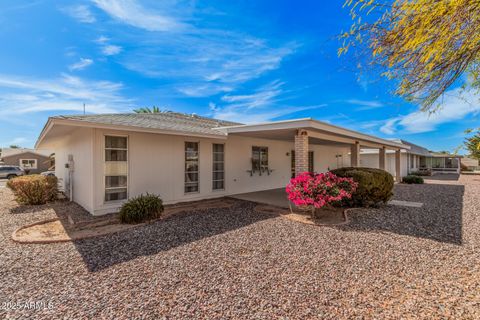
(375, 186)
(420, 173)
(412, 179)
(141, 208)
(34, 189)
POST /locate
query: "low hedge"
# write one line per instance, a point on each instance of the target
(412, 179)
(34, 189)
(420, 173)
(375, 186)
(141, 208)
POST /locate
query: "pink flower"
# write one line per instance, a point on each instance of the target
(318, 190)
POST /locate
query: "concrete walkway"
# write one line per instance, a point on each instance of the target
(274, 197)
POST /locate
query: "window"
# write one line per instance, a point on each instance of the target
(412, 161)
(310, 162)
(218, 170)
(28, 163)
(116, 168)
(260, 159)
(191, 167)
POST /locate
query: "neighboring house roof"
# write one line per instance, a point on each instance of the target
(444, 155)
(193, 125)
(8, 152)
(414, 148)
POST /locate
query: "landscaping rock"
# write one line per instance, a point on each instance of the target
(233, 262)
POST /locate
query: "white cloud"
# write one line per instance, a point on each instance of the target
(102, 39)
(111, 50)
(20, 95)
(18, 140)
(259, 106)
(81, 64)
(206, 60)
(365, 104)
(131, 13)
(80, 12)
(455, 105)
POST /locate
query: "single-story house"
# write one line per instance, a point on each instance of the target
(415, 159)
(32, 161)
(102, 160)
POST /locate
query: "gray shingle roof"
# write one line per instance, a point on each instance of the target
(171, 121)
(415, 149)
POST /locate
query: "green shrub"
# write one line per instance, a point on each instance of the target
(142, 208)
(34, 189)
(412, 179)
(375, 186)
(422, 173)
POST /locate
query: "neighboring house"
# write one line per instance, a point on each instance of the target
(104, 159)
(414, 159)
(28, 159)
(470, 163)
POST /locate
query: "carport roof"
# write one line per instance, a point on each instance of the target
(285, 128)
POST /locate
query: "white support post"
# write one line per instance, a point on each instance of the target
(398, 167)
(355, 154)
(383, 157)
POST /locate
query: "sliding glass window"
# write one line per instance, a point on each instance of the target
(191, 167)
(116, 168)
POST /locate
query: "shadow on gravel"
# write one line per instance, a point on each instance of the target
(102, 252)
(439, 219)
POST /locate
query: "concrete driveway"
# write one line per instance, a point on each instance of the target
(3, 183)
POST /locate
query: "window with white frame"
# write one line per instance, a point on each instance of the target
(28, 163)
(218, 170)
(259, 158)
(116, 168)
(191, 167)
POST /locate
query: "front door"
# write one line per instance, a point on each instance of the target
(310, 162)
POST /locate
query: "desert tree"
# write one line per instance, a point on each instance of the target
(154, 109)
(472, 144)
(428, 46)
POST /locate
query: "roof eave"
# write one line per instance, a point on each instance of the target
(306, 123)
(82, 123)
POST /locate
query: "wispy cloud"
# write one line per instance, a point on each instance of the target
(18, 140)
(80, 12)
(365, 104)
(456, 105)
(261, 105)
(132, 13)
(20, 95)
(81, 64)
(111, 50)
(181, 48)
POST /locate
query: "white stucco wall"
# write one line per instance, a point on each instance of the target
(79, 144)
(156, 165)
(372, 160)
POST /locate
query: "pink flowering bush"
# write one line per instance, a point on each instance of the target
(308, 190)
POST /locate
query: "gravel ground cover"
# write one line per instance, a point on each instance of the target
(392, 262)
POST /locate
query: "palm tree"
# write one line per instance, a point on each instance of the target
(147, 110)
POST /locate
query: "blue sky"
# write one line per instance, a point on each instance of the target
(246, 61)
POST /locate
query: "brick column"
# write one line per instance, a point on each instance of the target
(355, 154)
(301, 151)
(383, 155)
(398, 167)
